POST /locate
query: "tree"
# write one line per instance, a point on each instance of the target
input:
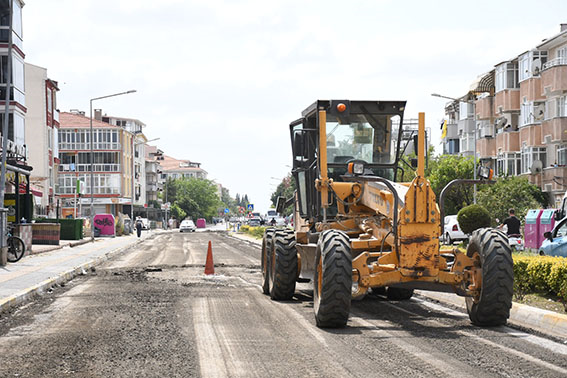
(229, 202)
(286, 189)
(177, 212)
(196, 197)
(511, 192)
(447, 169)
(408, 175)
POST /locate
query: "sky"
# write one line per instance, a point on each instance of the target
(219, 81)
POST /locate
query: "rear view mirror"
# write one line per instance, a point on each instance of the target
(298, 145)
(413, 163)
(547, 235)
(280, 205)
(415, 143)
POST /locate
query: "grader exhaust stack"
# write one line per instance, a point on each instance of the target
(357, 229)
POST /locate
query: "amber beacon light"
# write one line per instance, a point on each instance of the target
(341, 107)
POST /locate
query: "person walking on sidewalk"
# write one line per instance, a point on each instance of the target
(139, 226)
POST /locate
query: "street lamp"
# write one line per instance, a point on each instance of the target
(134, 144)
(474, 158)
(92, 151)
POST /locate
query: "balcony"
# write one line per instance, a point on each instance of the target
(486, 148)
(554, 130)
(507, 100)
(508, 141)
(554, 76)
(56, 115)
(532, 90)
(531, 135)
(151, 187)
(151, 168)
(452, 131)
(553, 178)
(484, 108)
(466, 126)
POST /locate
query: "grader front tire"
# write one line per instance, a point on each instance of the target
(490, 248)
(267, 245)
(332, 284)
(283, 265)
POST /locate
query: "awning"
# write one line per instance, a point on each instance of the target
(483, 83)
(34, 191)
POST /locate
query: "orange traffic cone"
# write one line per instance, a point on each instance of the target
(209, 265)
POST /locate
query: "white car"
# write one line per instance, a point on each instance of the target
(278, 220)
(187, 225)
(452, 232)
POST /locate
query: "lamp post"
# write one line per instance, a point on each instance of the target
(474, 157)
(134, 144)
(92, 151)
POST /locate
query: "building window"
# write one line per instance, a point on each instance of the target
(529, 63)
(465, 110)
(103, 183)
(562, 155)
(561, 107)
(532, 154)
(506, 76)
(508, 164)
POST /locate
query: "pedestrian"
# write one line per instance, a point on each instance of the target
(273, 222)
(512, 223)
(139, 226)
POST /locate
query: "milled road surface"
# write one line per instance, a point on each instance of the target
(151, 312)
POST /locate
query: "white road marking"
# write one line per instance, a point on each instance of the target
(508, 350)
(438, 360)
(536, 340)
(211, 360)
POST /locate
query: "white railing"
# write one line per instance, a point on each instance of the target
(561, 61)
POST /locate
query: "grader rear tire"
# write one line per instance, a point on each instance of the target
(490, 248)
(283, 265)
(267, 245)
(332, 284)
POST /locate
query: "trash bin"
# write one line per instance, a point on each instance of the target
(532, 229)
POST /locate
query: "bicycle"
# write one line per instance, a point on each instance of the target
(16, 247)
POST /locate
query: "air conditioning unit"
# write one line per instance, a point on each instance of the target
(547, 139)
(548, 188)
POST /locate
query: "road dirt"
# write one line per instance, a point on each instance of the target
(152, 312)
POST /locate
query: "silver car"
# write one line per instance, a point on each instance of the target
(187, 225)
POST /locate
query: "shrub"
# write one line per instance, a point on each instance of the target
(521, 277)
(557, 275)
(538, 271)
(473, 217)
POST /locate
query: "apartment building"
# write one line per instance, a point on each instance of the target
(154, 182)
(517, 113)
(138, 181)
(112, 166)
(41, 135)
(174, 168)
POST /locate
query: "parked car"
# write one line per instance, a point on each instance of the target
(452, 232)
(255, 222)
(187, 225)
(272, 218)
(555, 243)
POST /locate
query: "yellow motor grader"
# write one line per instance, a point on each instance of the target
(359, 230)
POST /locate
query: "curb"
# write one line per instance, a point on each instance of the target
(543, 321)
(38, 289)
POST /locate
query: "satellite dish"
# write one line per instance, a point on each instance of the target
(501, 122)
(536, 167)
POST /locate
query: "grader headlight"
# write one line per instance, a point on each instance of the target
(356, 168)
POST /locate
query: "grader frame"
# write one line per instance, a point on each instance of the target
(358, 231)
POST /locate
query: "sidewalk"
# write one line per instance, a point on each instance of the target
(35, 273)
(547, 322)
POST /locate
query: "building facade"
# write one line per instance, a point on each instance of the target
(174, 168)
(112, 166)
(41, 134)
(136, 129)
(517, 113)
(154, 182)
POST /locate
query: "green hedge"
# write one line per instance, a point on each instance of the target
(540, 274)
(257, 232)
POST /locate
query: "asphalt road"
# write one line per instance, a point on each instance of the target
(151, 312)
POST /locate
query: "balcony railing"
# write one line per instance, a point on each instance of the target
(87, 167)
(561, 61)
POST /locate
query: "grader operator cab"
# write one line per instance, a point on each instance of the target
(358, 230)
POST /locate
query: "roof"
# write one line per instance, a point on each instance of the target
(171, 164)
(77, 121)
(553, 41)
